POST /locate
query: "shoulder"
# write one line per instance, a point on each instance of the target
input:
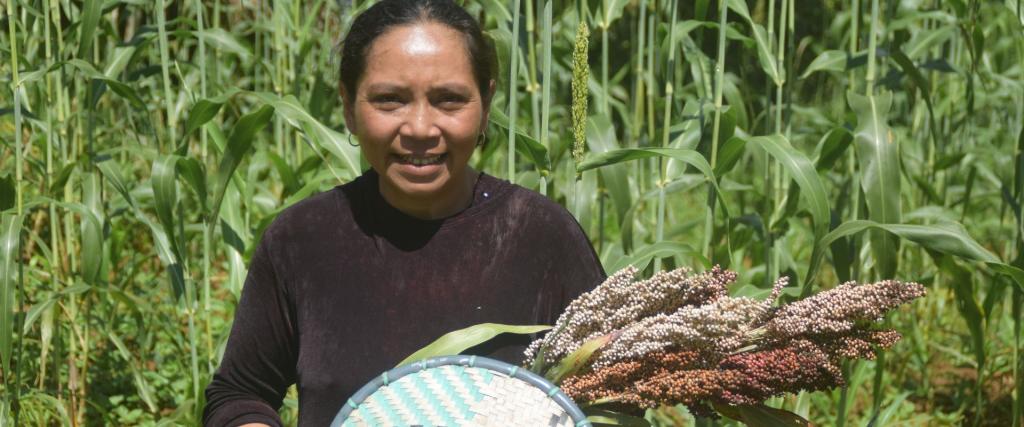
(540, 213)
(314, 216)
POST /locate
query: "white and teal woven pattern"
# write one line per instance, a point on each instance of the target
(460, 391)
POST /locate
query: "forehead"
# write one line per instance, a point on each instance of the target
(423, 53)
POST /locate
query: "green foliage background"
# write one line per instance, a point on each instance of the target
(147, 144)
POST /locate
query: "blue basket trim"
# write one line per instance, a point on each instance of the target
(486, 369)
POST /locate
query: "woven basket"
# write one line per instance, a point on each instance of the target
(456, 391)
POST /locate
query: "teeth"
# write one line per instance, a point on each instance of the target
(421, 161)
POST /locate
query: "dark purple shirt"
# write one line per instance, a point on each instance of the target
(343, 286)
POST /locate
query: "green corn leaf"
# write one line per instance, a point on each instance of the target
(829, 60)
(35, 312)
(90, 19)
(119, 60)
(945, 237)
(92, 230)
(878, 160)
(10, 237)
(643, 256)
(611, 10)
(192, 170)
(962, 282)
(575, 361)
(497, 9)
(923, 41)
(112, 174)
(143, 386)
(25, 78)
(920, 81)
(764, 52)
(612, 418)
(331, 140)
(832, 147)
(948, 238)
(526, 145)
(8, 194)
(116, 86)
(729, 154)
(285, 172)
(601, 138)
(224, 41)
(762, 416)
(165, 196)
(1012, 272)
(456, 342)
(691, 157)
(92, 237)
(802, 170)
(239, 143)
(203, 111)
(57, 186)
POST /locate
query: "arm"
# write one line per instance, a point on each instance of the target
(259, 361)
(575, 268)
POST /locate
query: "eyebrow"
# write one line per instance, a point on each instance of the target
(452, 87)
(392, 87)
(384, 87)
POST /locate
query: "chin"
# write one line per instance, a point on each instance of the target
(420, 187)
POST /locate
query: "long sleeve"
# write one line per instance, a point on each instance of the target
(572, 266)
(260, 358)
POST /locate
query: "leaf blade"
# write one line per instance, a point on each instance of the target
(458, 341)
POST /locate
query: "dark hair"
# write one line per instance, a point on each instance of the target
(386, 14)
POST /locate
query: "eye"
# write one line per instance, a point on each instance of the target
(387, 101)
(451, 101)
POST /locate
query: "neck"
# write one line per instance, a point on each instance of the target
(449, 202)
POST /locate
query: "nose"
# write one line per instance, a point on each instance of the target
(420, 123)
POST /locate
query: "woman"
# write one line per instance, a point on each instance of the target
(347, 283)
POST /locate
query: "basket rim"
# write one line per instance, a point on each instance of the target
(555, 393)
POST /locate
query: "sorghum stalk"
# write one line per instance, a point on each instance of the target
(533, 85)
(16, 88)
(665, 125)
(869, 92)
(638, 93)
(604, 57)
(277, 77)
(207, 247)
(546, 96)
(513, 92)
(709, 220)
(161, 22)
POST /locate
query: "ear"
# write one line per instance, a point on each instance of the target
(487, 104)
(348, 108)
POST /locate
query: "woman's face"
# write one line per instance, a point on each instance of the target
(417, 113)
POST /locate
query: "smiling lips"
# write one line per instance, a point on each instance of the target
(417, 160)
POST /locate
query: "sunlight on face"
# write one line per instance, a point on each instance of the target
(417, 113)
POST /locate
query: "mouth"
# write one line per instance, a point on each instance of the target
(420, 160)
